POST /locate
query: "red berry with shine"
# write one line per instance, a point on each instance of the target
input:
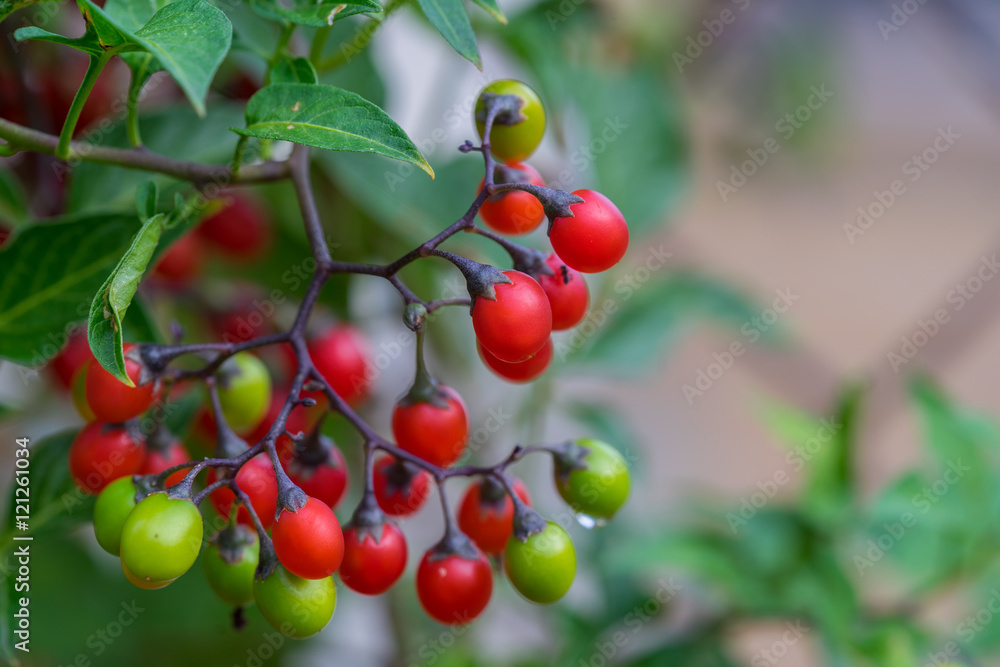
(343, 356)
(182, 261)
(158, 460)
(326, 481)
(371, 566)
(523, 371)
(256, 479)
(71, 358)
(309, 543)
(114, 401)
(516, 325)
(100, 454)
(400, 488)
(454, 590)
(513, 212)
(595, 239)
(567, 292)
(487, 514)
(437, 434)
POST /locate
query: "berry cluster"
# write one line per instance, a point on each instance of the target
(274, 479)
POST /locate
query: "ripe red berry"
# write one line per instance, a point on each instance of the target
(72, 357)
(454, 590)
(100, 454)
(487, 514)
(374, 558)
(567, 292)
(158, 460)
(182, 261)
(513, 212)
(522, 371)
(400, 488)
(256, 479)
(595, 239)
(326, 480)
(114, 401)
(517, 324)
(309, 543)
(240, 229)
(437, 434)
(342, 355)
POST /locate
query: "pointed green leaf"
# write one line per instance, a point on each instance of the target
(315, 14)
(8, 7)
(49, 272)
(189, 39)
(492, 9)
(294, 70)
(107, 311)
(327, 117)
(88, 43)
(452, 21)
(145, 200)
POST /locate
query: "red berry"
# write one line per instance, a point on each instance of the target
(522, 371)
(158, 460)
(513, 212)
(595, 239)
(487, 514)
(454, 590)
(326, 480)
(182, 261)
(342, 355)
(309, 543)
(371, 566)
(100, 454)
(436, 434)
(567, 292)
(240, 229)
(72, 357)
(400, 488)
(517, 324)
(256, 479)
(114, 401)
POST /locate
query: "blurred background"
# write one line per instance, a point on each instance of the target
(797, 355)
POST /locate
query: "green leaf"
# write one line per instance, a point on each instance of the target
(637, 320)
(174, 131)
(145, 200)
(107, 311)
(452, 20)
(294, 70)
(8, 7)
(48, 275)
(315, 14)
(13, 205)
(188, 38)
(492, 9)
(327, 117)
(8, 606)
